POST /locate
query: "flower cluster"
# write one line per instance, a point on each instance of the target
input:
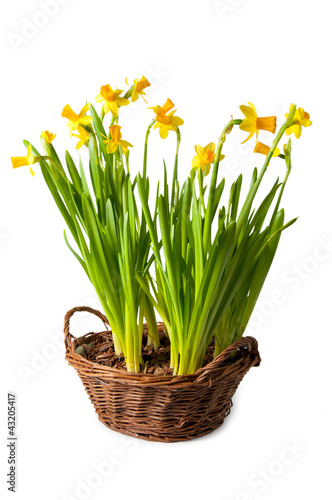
(252, 123)
(198, 261)
(166, 121)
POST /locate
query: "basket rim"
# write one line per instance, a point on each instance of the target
(203, 373)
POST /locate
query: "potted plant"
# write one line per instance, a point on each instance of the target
(198, 262)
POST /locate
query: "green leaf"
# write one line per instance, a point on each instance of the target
(73, 172)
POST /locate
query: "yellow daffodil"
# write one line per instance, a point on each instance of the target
(112, 99)
(48, 136)
(116, 141)
(29, 159)
(164, 121)
(139, 86)
(74, 119)
(301, 119)
(204, 158)
(83, 137)
(252, 123)
(264, 149)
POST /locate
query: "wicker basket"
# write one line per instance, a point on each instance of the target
(162, 408)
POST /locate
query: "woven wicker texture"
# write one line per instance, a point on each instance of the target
(162, 408)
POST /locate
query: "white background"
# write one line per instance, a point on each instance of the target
(208, 57)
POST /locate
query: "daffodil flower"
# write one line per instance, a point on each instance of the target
(163, 109)
(116, 141)
(204, 158)
(48, 136)
(29, 159)
(139, 86)
(83, 137)
(164, 121)
(264, 149)
(76, 120)
(252, 123)
(112, 100)
(301, 119)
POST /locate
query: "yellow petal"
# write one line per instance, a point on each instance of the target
(306, 123)
(210, 147)
(248, 112)
(121, 101)
(85, 120)
(249, 137)
(111, 147)
(199, 150)
(134, 96)
(171, 126)
(253, 107)
(114, 108)
(71, 127)
(299, 114)
(195, 162)
(48, 136)
(163, 131)
(84, 109)
(207, 170)
(177, 121)
(248, 125)
(31, 159)
(297, 131)
(106, 108)
(126, 144)
(155, 108)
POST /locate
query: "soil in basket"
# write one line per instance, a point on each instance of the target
(101, 350)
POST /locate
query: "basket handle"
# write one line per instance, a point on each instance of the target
(68, 335)
(248, 342)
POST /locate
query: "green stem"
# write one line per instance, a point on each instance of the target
(214, 176)
(201, 191)
(251, 195)
(288, 160)
(117, 344)
(148, 310)
(175, 171)
(145, 159)
(57, 166)
(129, 92)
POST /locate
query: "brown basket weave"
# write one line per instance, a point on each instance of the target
(162, 408)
